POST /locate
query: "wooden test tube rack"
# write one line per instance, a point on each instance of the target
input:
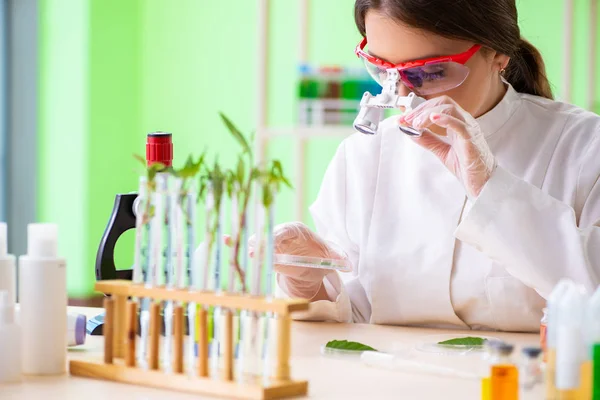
(119, 361)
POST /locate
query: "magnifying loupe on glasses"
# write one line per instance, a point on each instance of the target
(372, 107)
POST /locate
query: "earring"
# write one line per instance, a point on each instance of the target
(502, 71)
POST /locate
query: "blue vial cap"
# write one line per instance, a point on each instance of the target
(532, 352)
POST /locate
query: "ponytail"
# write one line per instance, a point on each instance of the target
(526, 71)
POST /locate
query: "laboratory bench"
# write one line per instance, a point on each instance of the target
(328, 377)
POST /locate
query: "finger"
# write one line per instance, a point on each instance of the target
(423, 121)
(450, 122)
(433, 143)
(429, 104)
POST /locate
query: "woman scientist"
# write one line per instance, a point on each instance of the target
(472, 224)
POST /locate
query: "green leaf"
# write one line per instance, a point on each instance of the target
(277, 167)
(241, 170)
(140, 159)
(464, 341)
(350, 346)
(286, 182)
(236, 134)
(155, 169)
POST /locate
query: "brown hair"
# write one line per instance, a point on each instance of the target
(491, 23)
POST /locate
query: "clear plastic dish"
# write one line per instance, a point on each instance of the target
(313, 262)
(430, 344)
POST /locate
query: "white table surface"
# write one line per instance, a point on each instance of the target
(329, 378)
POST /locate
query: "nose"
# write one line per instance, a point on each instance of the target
(402, 89)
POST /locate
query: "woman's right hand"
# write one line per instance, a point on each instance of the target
(295, 238)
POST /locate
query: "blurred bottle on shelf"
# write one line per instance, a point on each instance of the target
(330, 95)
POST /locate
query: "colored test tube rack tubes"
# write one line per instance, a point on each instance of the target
(121, 328)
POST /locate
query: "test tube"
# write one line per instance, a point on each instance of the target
(172, 239)
(142, 230)
(216, 348)
(233, 259)
(212, 282)
(234, 234)
(202, 280)
(270, 251)
(244, 353)
(191, 269)
(256, 329)
(142, 254)
(154, 261)
(270, 335)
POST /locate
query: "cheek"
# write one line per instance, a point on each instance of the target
(471, 94)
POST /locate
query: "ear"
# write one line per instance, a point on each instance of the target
(500, 62)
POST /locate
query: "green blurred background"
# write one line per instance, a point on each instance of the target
(111, 71)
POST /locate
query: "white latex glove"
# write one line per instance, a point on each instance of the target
(295, 238)
(465, 151)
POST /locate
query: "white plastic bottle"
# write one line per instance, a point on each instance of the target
(552, 328)
(10, 341)
(43, 299)
(570, 343)
(8, 269)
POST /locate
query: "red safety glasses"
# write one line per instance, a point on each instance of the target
(424, 77)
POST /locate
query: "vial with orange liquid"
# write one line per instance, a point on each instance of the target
(504, 375)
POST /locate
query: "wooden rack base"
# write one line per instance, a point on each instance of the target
(120, 327)
(183, 383)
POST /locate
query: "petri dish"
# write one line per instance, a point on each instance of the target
(313, 262)
(430, 344)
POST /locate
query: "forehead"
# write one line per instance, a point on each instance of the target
(397, 43)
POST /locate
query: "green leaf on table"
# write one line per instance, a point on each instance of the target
(464, 341)
(349, 346)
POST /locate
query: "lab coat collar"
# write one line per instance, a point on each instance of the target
(493, 120)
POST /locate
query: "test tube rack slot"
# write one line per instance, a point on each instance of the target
(120, 331)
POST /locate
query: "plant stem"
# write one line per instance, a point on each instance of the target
(242, 224)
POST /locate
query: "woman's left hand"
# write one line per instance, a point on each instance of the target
(465, 152)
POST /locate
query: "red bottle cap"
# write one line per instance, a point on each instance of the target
(159, 148)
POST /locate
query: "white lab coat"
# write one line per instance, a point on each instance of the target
(425, 255)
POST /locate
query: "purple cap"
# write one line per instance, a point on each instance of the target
(80, 323)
